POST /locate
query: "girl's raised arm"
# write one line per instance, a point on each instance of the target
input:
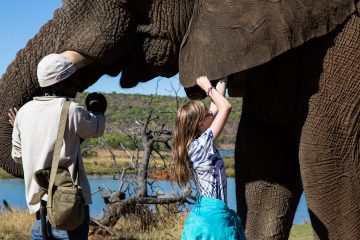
(222, 105)
(221, 88)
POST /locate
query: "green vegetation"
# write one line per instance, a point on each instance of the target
(102, 163)
(301, 232)
(96, 163)
(230, 166)
(4, 174)
(122, 115)
(124, 110)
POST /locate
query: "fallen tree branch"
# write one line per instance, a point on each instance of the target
(108, 229)
(151, 200)
(121, 207)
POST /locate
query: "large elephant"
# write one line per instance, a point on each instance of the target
(296, 63)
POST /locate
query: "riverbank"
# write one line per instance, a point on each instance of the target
(18, 225)
(159, 169)
(100, 162)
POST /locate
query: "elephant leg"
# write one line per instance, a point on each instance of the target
(268, 185)
(329, 145)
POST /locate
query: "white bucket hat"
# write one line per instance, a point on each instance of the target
(54, 68)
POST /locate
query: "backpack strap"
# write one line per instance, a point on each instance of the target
(58, 145)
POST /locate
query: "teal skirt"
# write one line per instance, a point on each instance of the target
(211, 219)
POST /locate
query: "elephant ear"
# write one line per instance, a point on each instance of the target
(226, 37)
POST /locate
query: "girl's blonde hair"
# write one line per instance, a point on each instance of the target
(186, 129)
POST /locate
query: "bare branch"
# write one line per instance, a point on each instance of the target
(176, 91)
(159, 153)
(155, 200)
(108, 229)
(131, 156)
(122, 179)
(114, 160)
(92, 147)
(99, 189)
(146, 123)
(139, 122)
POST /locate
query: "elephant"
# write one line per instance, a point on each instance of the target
(295, 63)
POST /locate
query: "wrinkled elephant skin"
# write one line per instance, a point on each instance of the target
(296, 64)
(304, 136)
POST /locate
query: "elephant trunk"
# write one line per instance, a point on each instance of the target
(106, 36)
(18, 85)
(68, 30)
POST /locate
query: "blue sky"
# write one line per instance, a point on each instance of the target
(20, 20)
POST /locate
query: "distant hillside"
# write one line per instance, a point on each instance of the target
(125, 109)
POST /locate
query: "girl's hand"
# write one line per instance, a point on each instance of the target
(12, 114)
(203, 82)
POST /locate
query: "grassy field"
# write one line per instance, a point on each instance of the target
(18, 226)
(100, 162)
(103, 163)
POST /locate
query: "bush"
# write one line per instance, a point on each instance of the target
(89, 153)
(115, 140)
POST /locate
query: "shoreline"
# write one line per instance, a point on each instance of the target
(102, 164)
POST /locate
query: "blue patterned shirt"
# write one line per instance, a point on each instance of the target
(207, 167)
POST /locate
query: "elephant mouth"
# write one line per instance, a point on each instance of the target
(89, 69)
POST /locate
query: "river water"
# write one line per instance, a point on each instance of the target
(12, 190)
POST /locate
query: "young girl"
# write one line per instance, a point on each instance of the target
(196, 127)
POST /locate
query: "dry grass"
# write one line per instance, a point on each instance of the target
(102, 164)
(104, 156)
(17, 225)
(158, 168)
(164, 226)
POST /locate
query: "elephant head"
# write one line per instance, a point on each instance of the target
(141, 39)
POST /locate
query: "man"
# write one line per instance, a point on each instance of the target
(35, 130)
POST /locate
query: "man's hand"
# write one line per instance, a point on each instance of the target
(96, 102)
(12, 114)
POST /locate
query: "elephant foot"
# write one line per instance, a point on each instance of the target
(271, 209)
